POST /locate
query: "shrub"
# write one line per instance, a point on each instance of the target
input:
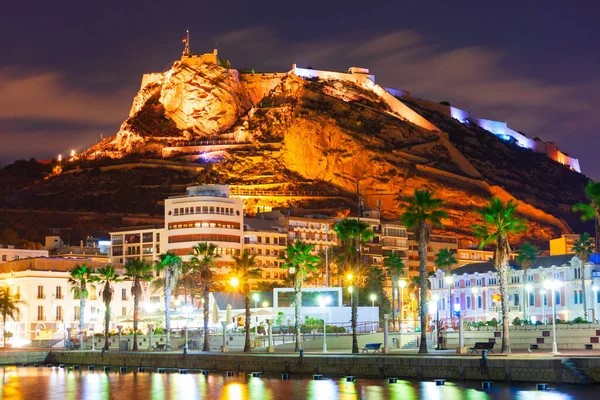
(493, 322)
(517, 322)
(580, 320)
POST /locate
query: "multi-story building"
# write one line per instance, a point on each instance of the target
(204, 214)
(140, 242)
(475, 286)
(563, 244)
(49, 303)
(436, 243)
(466, 256)
(266, 240)
(9, 253)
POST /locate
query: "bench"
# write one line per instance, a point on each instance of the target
(482, 346)
(376, 347)
(160, 346)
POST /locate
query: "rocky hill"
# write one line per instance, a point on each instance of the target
(303, 139)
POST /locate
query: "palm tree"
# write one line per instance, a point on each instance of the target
(82, 279)
(242, 272)
(299, 261)
(592, 210)
(500, 221)
(526, 256)
(422, 211)
(395, 267)
(444, 260)
(107, 277)
(583, 247)
(170, 263)
(353, 234)
(9, 308)
(268, 286)
(204, 257)
(138, 271)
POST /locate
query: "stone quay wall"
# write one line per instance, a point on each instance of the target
(23, 357)
(416, 367)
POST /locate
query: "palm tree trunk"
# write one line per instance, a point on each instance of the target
(106, 323)
(81, 319)
(136, 314)
(4, 329)
(525, 298)
(247, 323)
(297, 308)
(585, 311)
(501, 260)
(168, 308)
(393, 304)
(422, 250)
(206, 346)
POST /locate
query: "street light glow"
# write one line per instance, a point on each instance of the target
(349, 277)
(402, 283)
(234, 282)
(255, 297)
(449, 280)
(373, 297)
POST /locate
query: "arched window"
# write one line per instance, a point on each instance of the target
(516, 297)
(545, 299)
(581, 297)
(479, 303)
(557, 298)
(531, 299)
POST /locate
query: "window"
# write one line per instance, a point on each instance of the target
(557, 298)
(40, 315)
(40, 293)
(59, 313)
(468, 302)
(456, 284)
(59, 293)
(93, 294)
(531, 299)
(4, 257)
(123, 311)
(76, 313)
(529, 278)
(479, 302)
(598, 297)
(123, 294)
(516, 297)
(545, 299)
(581, 297)
(479, 282)
(576, 297)
(267, 240)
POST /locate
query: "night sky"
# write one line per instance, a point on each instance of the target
(69, 69)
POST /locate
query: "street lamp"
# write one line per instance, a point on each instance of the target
(595, 289)
(186, 309)
(554, 284)
(265, 304)
(235, 282)
(528, 289)
(432, 309)
(449, 281)
(373, 297)
(401, 285)
(543, 295)
(323, 302)
(436, 299)
(255, 297)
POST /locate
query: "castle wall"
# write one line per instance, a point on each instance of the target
(359, 79)
(154, 77)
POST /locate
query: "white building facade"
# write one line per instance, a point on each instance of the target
(475, 287)
(10, 254)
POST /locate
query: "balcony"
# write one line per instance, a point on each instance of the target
(41, 296)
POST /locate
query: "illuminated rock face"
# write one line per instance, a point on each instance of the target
(308, 133)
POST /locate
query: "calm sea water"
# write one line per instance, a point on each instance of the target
(55, 383)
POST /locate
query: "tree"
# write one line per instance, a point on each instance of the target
(423, 211)
(81, 280)
(353, 234)
(444, 260)
(107, 276)
(591, 210)
(204, 257)
(499, 222)
(299, 261)
(583, 247)
(526, 256)
(9, 308)
(138, 271)
(243, 271)
(170, 263)
(395, 267)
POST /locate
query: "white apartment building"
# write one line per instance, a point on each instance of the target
(474, 286)
(49, 304)
(266, 240)
(140, 242)
(204, 214)
(9, 253)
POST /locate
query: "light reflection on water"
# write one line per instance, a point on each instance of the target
(56, 383)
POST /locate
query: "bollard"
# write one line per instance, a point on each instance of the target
(486, 385)
(317, 377)
(440, 382)
(285, 376)
(229, 373)
(542, 386)
(483, 366)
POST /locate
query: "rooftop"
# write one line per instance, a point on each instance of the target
(544, 262)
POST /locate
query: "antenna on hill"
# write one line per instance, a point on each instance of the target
(186, 41)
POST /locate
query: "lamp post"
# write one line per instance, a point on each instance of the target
(326, 230)
(543, 295)
(255, 297)
(323, 302)
(461, 337)
(554, 284)
(186, 310)
(432, 311)
(528, 288)
(373, 297)
(401, 285)
(595, 289)
(449, 281)
(436, 299)
(93, 339)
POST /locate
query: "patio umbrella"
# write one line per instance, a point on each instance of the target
(228, 315)
(215, 314)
